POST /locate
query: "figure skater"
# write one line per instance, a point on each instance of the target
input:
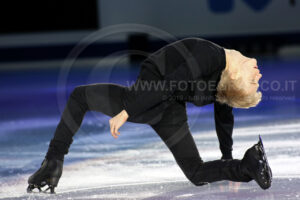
(189, 70)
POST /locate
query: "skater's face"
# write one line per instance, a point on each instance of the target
(251, 74)
(247, 69)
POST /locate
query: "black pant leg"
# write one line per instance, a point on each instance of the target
(102, 97)
(174, 131)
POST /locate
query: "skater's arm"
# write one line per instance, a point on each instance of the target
(224, 121)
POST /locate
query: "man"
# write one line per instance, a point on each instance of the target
(189, 70)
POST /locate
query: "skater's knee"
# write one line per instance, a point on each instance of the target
(78, 92)
(197, 179)
(199, 183)
(78, 95)
(192, 169)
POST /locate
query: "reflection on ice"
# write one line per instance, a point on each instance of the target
(282, 189)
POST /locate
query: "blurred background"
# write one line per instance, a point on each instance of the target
(49, 47)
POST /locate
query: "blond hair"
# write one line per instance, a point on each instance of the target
(232, 92)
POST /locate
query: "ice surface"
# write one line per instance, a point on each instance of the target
(149, 171)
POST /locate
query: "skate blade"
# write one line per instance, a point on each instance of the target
(49, 190)
(265, 159)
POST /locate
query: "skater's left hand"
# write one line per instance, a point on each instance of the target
(116, 122)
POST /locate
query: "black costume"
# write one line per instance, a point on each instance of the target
(192, 60)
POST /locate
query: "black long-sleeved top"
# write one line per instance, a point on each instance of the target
(196, 61)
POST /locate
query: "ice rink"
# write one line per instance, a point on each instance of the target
(138, 165)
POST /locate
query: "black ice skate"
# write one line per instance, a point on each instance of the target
(49, 174)
(256, 165)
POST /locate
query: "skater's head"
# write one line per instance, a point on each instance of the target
(239, 81)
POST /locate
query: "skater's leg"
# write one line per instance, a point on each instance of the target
(102, 97)
(175, 133)
(105, 98)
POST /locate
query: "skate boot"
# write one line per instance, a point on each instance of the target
(49, 174)
(255, 165)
